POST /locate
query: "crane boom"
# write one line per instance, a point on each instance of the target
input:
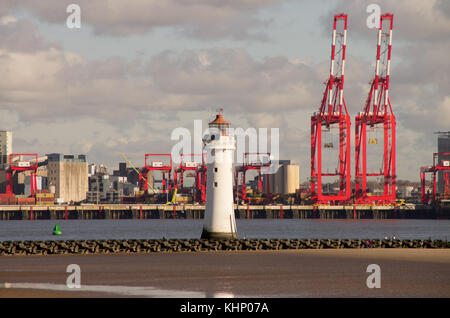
(137, 171)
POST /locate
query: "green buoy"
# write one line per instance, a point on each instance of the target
(57, 230)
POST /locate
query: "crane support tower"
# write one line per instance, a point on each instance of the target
(152, 163)
(252, 161)
(332, 112)
(199, 171)
(438, 165)
(201, 179)
(185, 165)
(18, 164)
(377, 114)
(143, 182)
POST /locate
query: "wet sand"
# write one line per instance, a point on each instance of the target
(292, 273)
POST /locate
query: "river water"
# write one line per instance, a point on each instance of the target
(22, 230)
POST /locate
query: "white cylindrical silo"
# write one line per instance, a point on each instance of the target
(291, 174)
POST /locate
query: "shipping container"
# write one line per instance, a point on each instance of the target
(43, 191)
(45, 195)
(23, 164)
(157, 164)
(46, 203)
(25, 201)
(7, 199)
(45, 199)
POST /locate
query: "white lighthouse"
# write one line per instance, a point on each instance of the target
(219, 221)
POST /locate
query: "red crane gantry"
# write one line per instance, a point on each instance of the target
(444, 166)
(377, 112)
(21, 165)
(332, 112)
(199, 170)
(156, 165)
(201, 181)
(249, 164)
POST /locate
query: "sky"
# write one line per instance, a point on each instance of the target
(138, 69)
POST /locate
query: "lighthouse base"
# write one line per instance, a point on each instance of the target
(218, 235)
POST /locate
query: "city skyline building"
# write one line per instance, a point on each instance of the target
(69, 175)
(443, 145)
(5, 146)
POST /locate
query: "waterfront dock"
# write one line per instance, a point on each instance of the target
(193, 211)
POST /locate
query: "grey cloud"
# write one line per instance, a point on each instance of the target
(201, 19)
(22, 36)
(233, 76)
(55, 84)
(444, 7)
(58, 95)
(414, 20)
(420, 65)
(240, 28)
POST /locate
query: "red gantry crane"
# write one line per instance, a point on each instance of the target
(252, 161)
(194, 167)
(332, 112)
(377, 114)
(201, 180)
(442, 165)
(17, 164)
(153, 164)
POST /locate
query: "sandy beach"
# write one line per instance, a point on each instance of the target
(292, 273)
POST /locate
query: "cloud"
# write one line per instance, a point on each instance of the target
(443, 112)
(414, 20)
(202, 19)
(7, 19)
(420, 64)
(234, 78)
(54, 84)
(20, 36)
(107, 106)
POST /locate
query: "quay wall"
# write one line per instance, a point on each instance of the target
(191, 211)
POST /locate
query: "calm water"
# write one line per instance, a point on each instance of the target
(284, 228)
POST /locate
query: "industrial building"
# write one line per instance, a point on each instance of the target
(2, 181)
(98, 183)
(439, 171)
(41, 184)
(106, 188)
(69, 175)
(286, 180)
(443, 145)
(5, 147)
